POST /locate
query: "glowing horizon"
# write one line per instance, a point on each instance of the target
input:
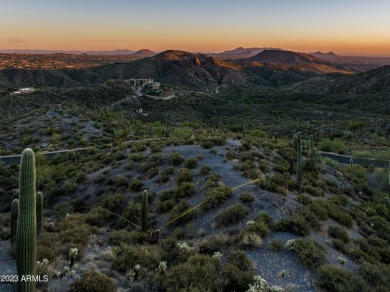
(360, 28)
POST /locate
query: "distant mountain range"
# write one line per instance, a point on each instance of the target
(114, 52)
(267, 68)
(240, 53)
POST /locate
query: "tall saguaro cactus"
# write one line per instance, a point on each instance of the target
(299, 163)
(14, 223)
(39, 212)
(352, 183)
(26, 234)
(144, 210)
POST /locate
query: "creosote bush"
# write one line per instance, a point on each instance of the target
(231, 215)
(93, 281)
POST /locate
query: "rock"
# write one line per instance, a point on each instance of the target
(50, 227)
(282, 273)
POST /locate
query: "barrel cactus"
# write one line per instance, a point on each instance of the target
(26, 233)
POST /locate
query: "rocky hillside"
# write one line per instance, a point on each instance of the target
(268, 68)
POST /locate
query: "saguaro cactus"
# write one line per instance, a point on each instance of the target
(144, 210)
(299, 163)
(14, 223)
(351, 164)
(26, 234)
(39, 212)
(295, 142)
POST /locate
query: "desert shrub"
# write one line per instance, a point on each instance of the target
(136, 185)
(166, 206)
(335, 145)
(112, 202)
(339, 233)
(215, 243)
(184, 175)
(265, 217)
(329, 161)
(117, 237)
(182, 132)
(136, 157)
(207, 144)
(205, 170)
(190, 163)
(147, 256)
(63, 208)
(270, 186)
(295, 223)
(152, 172)
(376, 275)
(246, 197)
(237, 273)
(339, 245)
(332, 278)
(216, 196)
(276, 244)
(93, 281)
(231, 215)
(310, 253)
(258, 133)
(179, 209)
(121, 181)
(340, 216)
(259, 228)
(320, 208)
(198, 273)
(175, 159)
(184, 190)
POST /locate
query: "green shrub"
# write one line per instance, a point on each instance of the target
(136, 185)
(179, 209)
(339, 233)
(332, 278)
(259, 228)
(310, 253)
(246, 197)
(276, 245)
(112, 202)
(205, 170)
(295, 223)
(329, 161)
(231, 215)
(265, 217)
(198, 273)
(175, 159)
(190, 163)
(184, 190)
(93, 281)
(216, 197)
(147, 256)
(184, 175)
(335, 145)
(237, 273)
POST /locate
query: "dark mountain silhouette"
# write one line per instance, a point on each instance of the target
(288, 60)
(144, 53)
(238, 53)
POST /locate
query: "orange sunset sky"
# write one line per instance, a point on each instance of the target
(345, 27)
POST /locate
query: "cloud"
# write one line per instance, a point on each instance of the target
(16, 40)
